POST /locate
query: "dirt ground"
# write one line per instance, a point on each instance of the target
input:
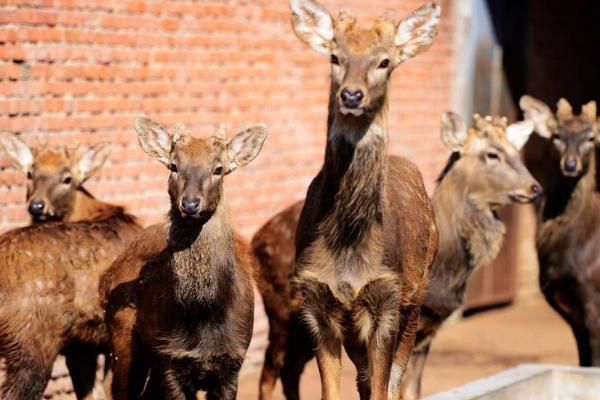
(467, 349)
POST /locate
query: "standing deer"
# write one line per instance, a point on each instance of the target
(179, 301)
(366, 237)
(54, 191)
(568, 231)
(49, 272)
(483, 173)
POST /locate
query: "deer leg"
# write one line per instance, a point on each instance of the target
(404, 345)
(274, 358)
(82, 365)
(225, 391)
(299, 352)
(584, 349)
(329, 360)
(411, 384)
(357, 352)
(26, 378)
(129, 360)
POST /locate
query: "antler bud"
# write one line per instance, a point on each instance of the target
(221, 132)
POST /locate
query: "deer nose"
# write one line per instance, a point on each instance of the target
(351, 99)
(571, 165)
(536, 189)
(190, 206)
(36, 207)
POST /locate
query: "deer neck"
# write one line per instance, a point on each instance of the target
(87, 208)
(202, 260)
(471, 233)
(354, 173)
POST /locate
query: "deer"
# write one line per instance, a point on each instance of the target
(483, 173)
(49, 270)
(53, 192)
(366, 236)
(179, 301)
(568, 220)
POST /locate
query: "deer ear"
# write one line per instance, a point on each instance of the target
(19, 153)
(154, 139)
(519, 132)
(91, 161)
(415, 33)
(454, 131)
(590, 111)
(312, 24)
(540, 114)
(245, 146)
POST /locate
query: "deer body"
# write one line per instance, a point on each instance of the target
(569, 220)
(366, 237)
(470, 235)
(50, 271)
(179, 302)
(49, 297)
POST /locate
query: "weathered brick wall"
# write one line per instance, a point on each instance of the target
(81, 70)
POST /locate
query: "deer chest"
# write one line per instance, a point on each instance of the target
(346, 272)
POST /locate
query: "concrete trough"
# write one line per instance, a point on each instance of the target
(531, 382)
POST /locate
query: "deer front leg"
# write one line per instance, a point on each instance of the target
(376, 315)
(404, 345)
(329, 360)
(323, 315)
(411, 384)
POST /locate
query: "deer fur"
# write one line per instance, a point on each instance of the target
(179, 301)
(49, 290)
(568, 228)
(366, 236)
(470, 236)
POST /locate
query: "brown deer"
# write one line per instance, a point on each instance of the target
(483, 173)
(568, 229)
(55, 191)
(49, 272)
(179, 301)
(366, 237)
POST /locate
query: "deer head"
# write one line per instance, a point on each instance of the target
(54, 175)
(573, 136)
(489, 161)
(198, 165)
(362, 60)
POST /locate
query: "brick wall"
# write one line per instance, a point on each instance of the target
(81, 70)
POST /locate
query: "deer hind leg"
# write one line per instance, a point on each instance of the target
(274, 358)
(411, 384)
(82, 365)
(299, 351)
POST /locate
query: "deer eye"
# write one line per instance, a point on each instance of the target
(67, 180)
(29, 175)
(556, 136)
(335, 60)
(384, 64)
(492, 156)
(218, 170)
(173, 167)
